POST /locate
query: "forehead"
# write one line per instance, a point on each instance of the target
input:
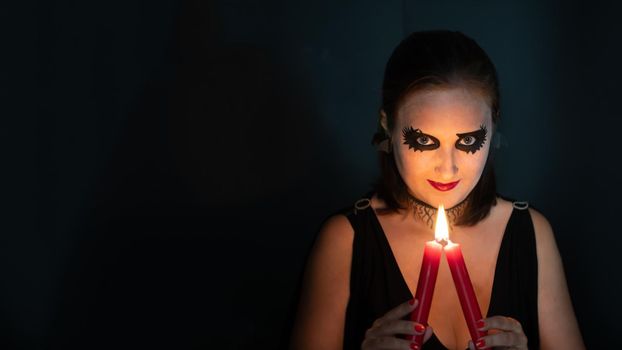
(452, 110)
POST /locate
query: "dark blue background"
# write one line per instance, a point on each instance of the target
(167, 163)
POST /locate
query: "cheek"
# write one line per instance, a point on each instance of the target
(474, 164)
(412, 165)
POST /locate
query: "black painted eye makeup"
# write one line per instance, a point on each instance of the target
(418, 141)
(471, 142)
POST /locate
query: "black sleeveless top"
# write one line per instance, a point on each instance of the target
(377, 284)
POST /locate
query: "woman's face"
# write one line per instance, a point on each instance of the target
(440, 142)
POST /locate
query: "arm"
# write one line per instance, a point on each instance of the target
(558, 325)
(325, 291)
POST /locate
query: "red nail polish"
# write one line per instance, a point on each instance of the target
(414, 346)
(480, 344)
(411, 301)
(480, 324)
(419, 328)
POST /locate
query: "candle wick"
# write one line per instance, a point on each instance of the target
(442, 241)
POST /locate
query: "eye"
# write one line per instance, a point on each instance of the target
(471, 142)
(424, 140)
(418, 141)
(468, 140)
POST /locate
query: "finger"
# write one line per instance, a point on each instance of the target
(392, 327)
(385, 343)
(428, 333)
(401, 310)
(506, 339)
(503, 323)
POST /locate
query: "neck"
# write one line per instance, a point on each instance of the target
(427, 213)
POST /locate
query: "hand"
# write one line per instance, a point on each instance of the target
(383, 333)
(504, 333)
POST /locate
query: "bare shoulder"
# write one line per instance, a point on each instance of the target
(331, 255)
(558, 326)
(330, 258)
(545, 239)
(546, 247)
(333, 243)
(325, 292)
(336, 230)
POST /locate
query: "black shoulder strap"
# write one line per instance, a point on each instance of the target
(515, 292)
(358, 215)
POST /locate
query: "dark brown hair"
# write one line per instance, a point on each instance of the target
(435, 60)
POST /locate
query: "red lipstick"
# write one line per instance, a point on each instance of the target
(443, 187)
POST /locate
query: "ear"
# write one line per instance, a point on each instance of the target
(384, 122)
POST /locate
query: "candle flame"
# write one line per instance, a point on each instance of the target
(441, 229)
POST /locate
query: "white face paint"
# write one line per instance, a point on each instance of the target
(436, 117)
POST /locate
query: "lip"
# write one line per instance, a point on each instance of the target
(443, 186)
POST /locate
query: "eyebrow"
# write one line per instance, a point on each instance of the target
(478, 132)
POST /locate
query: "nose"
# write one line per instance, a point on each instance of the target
(446, 166)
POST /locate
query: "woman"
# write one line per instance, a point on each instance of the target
(440, 105)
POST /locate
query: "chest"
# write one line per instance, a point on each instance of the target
(480, 254)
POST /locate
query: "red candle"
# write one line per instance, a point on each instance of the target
(425, 287)
(427, 276)
(466, 294)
